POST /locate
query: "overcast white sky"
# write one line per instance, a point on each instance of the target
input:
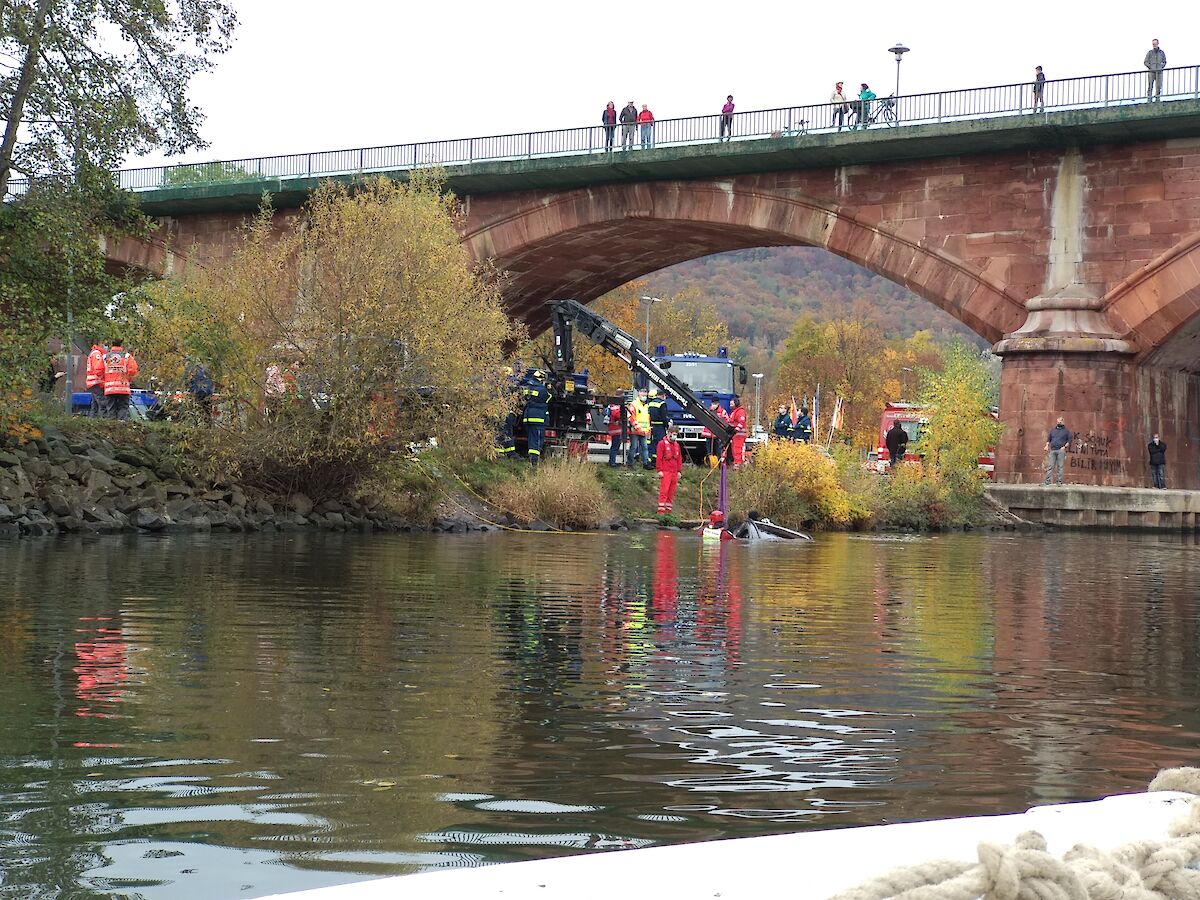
(308, 75)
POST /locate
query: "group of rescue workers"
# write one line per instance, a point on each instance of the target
(639, 432)
(108, 375)
(793, 428)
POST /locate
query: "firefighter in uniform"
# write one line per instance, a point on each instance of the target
(658, 421)
(505, 435)
(537, 400)
(95, 382)
(802, 430)
(119, 368)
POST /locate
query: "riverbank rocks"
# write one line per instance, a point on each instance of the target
(85, 484)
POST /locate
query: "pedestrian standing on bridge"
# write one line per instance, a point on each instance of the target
(841, 105)
(629, 117)
(1156, 61)
(1158, 462)
(1057, 442)
(608, 119)
(1039, 90)
(646, 124)
(726, 120)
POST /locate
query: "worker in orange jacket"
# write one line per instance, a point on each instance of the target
(119, 369)
(95, 381)
(737, 418)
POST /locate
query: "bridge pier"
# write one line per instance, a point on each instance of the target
(1066, 361)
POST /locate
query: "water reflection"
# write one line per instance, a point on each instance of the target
(181, 716)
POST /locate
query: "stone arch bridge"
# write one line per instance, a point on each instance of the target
(1069, 241)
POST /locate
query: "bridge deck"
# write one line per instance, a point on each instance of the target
(1067, 128)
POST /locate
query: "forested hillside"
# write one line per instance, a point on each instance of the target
(761, 293)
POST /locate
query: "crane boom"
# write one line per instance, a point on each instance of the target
(568, 316)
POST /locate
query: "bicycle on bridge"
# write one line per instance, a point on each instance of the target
(865, 113)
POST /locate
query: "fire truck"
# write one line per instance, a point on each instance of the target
(913, 418)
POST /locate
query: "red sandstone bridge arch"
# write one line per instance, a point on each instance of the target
(1157, 308)
(586, 242)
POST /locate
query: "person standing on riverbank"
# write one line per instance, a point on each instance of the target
(1158, 463)
(639, 423)
(119, 369)
(783, 424)
(737, 418)
(658, 421)
(896, 441)
(537, 400)
(1156, 61)
(94, 380)
(669, 463)
(1057, 442)
(612, 419)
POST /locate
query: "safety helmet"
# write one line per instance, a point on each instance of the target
(653, 392)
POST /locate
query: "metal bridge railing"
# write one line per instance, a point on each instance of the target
(1093, 91)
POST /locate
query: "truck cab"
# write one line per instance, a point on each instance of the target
(709, 378)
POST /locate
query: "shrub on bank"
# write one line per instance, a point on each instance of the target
(793, 483)
(565, 493)
(921, 496)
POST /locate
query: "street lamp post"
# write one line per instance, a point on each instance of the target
(649, 301)
(758, 377)
(899, 49)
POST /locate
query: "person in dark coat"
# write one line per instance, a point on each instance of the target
(608, 119)
(802, 430)
(896, 441)
(1158, 462)
(537, 400)
(783, 424)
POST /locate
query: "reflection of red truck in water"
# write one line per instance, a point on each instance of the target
(912, 419)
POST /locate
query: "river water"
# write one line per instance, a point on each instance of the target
(219, 716)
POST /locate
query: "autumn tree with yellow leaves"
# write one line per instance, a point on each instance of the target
(381, 329)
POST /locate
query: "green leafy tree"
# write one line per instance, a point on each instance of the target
(960, 428)
(98, 81)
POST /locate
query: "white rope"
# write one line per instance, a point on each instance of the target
(1143, 870)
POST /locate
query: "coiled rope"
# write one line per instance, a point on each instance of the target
(1142, 870)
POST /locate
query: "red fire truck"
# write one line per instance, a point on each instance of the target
(912, 419)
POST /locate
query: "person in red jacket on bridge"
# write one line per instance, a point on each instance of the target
(669, 462)
(737, 417)
(119, 369)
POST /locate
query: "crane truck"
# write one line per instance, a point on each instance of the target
(570, 316)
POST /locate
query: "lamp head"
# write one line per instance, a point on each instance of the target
(899, 49)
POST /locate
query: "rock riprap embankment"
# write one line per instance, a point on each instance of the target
(86, 484)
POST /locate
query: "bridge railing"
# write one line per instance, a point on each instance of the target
(1094, 91)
